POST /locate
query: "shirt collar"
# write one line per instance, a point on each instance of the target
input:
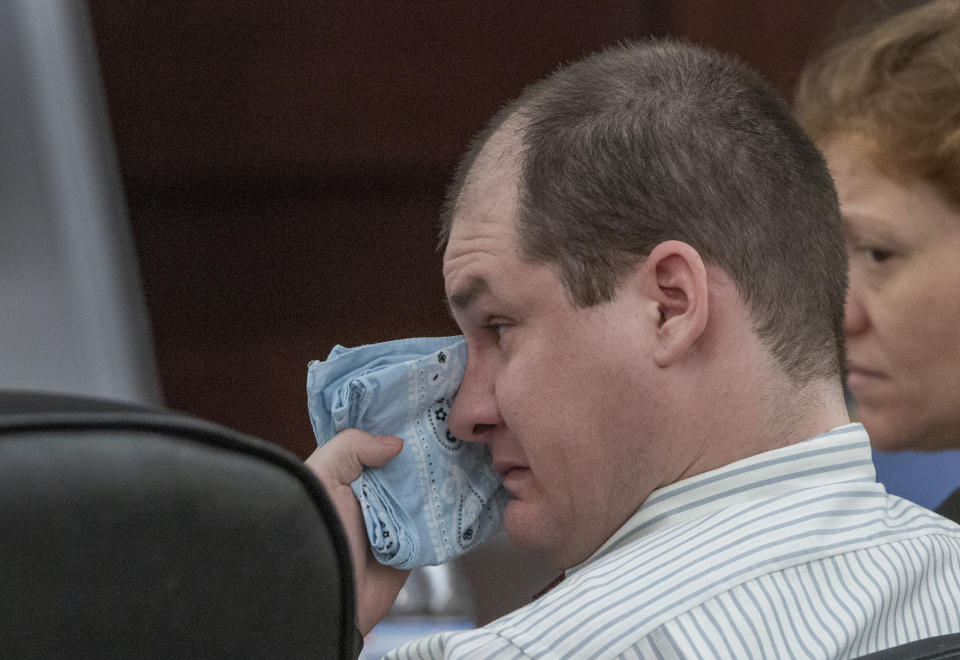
(839, 455)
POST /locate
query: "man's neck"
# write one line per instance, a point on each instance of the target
(785, 416)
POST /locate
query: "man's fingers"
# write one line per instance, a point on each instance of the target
(337, 464)
(378, 449)
(343, 457)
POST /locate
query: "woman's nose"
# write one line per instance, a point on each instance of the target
(855, 318)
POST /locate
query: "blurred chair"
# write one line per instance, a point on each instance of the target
(74, 318)
(141, 533)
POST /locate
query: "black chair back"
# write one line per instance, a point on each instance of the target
(130, 532)
(943, 647)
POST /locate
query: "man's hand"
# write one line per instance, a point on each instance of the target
(337, 464)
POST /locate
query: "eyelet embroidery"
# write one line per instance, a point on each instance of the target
(440, 497)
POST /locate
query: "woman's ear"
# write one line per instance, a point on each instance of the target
(678, 278)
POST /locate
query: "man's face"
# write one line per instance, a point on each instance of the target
(903, 310)
(557, 392)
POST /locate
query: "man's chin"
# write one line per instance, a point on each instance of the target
(527, 527)
(524, 526)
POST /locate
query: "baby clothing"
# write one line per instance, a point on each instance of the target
(440, 497)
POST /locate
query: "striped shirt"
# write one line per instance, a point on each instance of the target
(793, 553)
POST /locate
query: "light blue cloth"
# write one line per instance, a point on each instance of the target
(440, 497)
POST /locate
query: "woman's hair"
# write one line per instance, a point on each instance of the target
(898, 85)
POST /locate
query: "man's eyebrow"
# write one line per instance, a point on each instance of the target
(463, 299)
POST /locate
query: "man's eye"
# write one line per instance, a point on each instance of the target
(879, 255)
(497, 329)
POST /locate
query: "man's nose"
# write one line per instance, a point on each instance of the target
(474, 413)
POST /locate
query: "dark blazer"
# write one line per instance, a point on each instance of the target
(950, 508)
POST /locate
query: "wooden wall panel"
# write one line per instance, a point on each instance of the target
(285, 163)
(774, 37)
(365, 86)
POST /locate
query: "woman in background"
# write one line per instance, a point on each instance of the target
(884, 107)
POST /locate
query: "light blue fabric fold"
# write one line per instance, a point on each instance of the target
(440, 497)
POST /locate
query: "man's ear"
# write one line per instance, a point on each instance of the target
(678, 280)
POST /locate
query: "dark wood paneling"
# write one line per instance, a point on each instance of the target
(773, 37)
(362, 86)
(285, 163)
(247, 283)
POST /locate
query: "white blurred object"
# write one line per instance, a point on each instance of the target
(72, 315)
(434, 599)
(434, 591)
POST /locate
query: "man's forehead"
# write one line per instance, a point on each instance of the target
(464, 298)
(485, 215)
(478, 243)
(484, 220)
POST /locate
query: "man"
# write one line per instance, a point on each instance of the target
(645, 256)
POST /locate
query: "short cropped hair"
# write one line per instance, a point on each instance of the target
(658, 140)
(897, 84)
